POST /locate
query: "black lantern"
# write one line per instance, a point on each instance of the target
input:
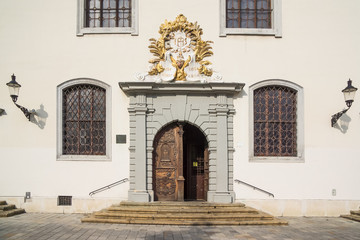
(14, 88)
(349, 95)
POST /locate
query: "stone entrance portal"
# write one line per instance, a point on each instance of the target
(181, 121)
(205, 109)
(180, 163)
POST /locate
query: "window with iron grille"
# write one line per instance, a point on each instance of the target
(64, 200)
(108, 13)
(275, 121)
(250, 17)
(107, 16)
(248, 14)
(84, 120)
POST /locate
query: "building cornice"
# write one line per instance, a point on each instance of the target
(227, 88)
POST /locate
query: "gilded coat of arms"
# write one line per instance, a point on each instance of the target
(179, 54)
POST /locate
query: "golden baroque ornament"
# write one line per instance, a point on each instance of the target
(179, 52)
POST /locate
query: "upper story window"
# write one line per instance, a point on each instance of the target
(83, 120)
(107, 16)
(248, 13)
(250, 17)
(276, 121)
(108, 13)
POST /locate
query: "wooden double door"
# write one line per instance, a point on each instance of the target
(180, 164)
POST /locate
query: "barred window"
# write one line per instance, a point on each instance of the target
(108, 13)
(248, 14)
(64, 200)
(84, 120)
(275, 121)
(251, 17)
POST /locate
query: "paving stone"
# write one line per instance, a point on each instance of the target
(68, 226)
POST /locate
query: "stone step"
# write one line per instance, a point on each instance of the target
(182, 210)
(183, 217)
(11, 212)
(8, 210)
(182, 205)
(355, 213)
(7, 207)
(181, 222)
(182, 213)
(352, 217)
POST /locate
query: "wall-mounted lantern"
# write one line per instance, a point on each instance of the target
(349, 95)
(14, 88)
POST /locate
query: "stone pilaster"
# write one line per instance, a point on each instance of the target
(139, 110)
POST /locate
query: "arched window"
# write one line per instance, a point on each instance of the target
(276, 121)
(83, 120)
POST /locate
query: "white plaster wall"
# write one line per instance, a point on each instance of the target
(319, 50)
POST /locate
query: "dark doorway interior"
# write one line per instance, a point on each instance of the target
(196, 164)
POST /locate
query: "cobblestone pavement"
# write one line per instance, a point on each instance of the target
(41, 226)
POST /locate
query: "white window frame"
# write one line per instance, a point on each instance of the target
(299, 122)
(62, 157)
(276, 23)
(133, 30)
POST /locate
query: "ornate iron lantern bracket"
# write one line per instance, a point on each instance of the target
(349, 95)
(14, 88)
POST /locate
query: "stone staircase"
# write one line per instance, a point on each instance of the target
(182, 213)
(8, 210)
(354, 215)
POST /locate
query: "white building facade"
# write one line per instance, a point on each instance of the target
(259, 112)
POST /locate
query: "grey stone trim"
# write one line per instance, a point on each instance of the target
(208, 106)
(300, 122)
(59, 147)
(134, 30)
(132, 88)
(276, 24)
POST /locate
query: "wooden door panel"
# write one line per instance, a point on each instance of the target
(166, 164)
(165, 184)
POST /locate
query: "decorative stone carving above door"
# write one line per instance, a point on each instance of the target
(179, 54)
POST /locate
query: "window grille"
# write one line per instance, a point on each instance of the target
(248, 13)
(275, 121)
(84, 120)
(64, 200)
(108, 13)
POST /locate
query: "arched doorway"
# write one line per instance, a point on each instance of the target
(180, 163)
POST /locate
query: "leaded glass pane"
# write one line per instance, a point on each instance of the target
(84, 120)
(248, 13)
(275, 121)
(108, 13)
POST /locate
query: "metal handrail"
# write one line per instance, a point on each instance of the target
(255, 188)
(108, 186)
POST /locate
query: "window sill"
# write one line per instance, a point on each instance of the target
(88, 158)
(250, 31)
(113, 30)
(277, 159)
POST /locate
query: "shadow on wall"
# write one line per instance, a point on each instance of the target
(39, 118)
(343, 123)
(2, 112)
